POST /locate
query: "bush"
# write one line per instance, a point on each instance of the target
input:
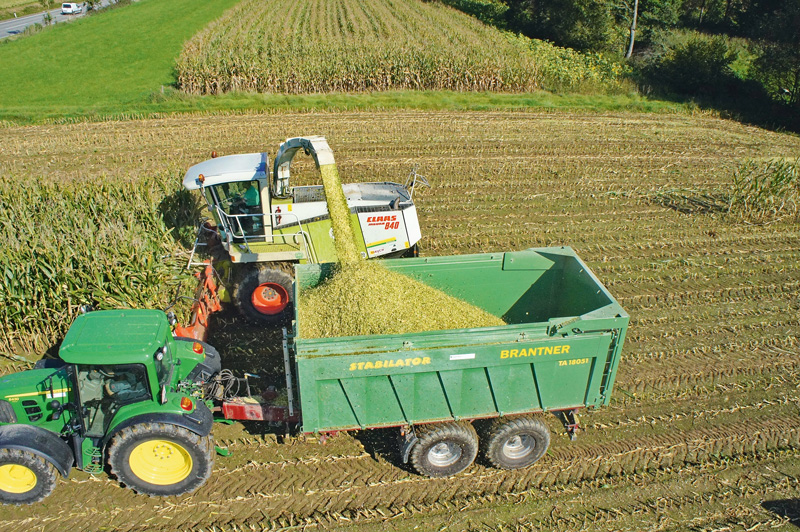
(700, 66)
(777, 68)
(565, 70)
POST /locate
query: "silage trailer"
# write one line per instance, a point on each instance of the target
(558, 352)
(141, 400)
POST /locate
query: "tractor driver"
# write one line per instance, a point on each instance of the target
(252, 203)
(252, 197)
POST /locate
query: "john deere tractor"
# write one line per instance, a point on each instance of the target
(125, 396)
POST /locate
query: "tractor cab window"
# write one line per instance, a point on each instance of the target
(104, 389)
(240, 201)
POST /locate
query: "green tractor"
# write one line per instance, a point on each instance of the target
(125, 395)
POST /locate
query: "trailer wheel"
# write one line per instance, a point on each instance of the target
(160, 459)
(515, 443)
(25, 478)
(265, 295)
(444, 449)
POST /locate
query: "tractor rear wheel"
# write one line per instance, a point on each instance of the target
(444, 449)
(161, 458)
(25, 478)
(265, 295)
(517, 442)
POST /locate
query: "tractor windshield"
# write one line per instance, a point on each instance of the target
(239, 207)
(104, 389)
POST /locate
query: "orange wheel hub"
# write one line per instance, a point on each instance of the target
(270, 298)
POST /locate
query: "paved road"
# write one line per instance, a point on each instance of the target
(15, 26)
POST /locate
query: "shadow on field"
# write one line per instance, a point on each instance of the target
(787, 508)
(383, 443)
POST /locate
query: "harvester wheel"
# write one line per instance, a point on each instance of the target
(517, 442)
(160, 458)
(25, 478)
(265, 295)
(444, 449)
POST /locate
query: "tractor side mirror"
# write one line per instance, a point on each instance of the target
(58, 409)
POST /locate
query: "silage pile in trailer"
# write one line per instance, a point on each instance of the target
(364, 298)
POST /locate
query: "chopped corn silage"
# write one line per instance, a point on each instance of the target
(364, 298)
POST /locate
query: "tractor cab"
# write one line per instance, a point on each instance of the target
(113, 371)
(236, 191)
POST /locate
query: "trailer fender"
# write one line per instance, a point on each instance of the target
(200, 421)
(40, 442)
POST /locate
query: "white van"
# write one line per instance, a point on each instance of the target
(71, 8)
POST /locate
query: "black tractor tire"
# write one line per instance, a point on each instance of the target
(161, 459)
(444, 449)
(517, 442)
(243, 295)
(25, 478)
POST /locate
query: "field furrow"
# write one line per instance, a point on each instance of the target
(345, 488)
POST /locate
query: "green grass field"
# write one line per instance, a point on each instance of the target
(20, 8)
(115, 58)
(108, 66)
(8, 4)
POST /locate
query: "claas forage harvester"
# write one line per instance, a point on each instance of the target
(261, 225)
(129, 395)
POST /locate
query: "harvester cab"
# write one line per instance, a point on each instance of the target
(262, 226)
(124, 393)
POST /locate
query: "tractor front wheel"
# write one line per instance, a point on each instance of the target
(161, 459)
(25, 478)
(265, 295)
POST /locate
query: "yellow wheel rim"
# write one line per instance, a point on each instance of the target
(15, 478)
(160, 462)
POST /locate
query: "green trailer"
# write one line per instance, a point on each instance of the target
(558, 353)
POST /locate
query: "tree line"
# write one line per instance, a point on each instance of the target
(702, 48)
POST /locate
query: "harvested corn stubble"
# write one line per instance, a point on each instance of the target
(350, 303)
(353, 300)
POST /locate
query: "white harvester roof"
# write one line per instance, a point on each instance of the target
(241, 167)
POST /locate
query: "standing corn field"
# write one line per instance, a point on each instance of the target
(356, 46)
(65, 245)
